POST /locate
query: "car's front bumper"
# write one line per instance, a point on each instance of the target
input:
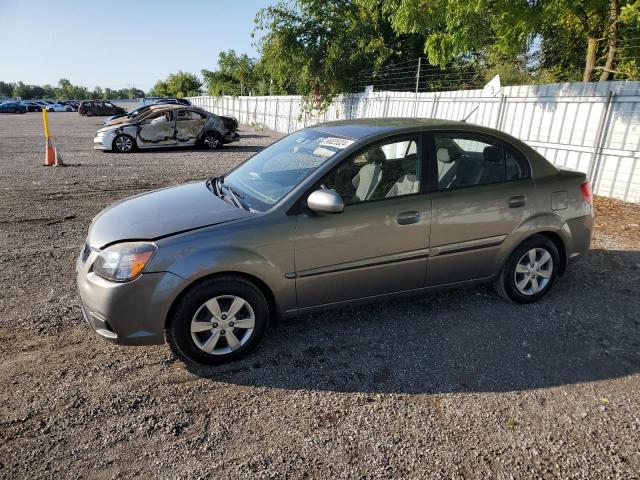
(103, 141)
(128, 313)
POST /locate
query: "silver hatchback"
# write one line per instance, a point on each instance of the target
(332, 215)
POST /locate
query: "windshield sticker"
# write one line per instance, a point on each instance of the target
(336, 142)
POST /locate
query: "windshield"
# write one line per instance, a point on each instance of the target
(272, 173)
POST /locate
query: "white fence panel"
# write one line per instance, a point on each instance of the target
(591, 127)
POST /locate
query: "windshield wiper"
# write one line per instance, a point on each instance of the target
(235, 197)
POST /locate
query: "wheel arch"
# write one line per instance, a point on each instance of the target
(258, 282)
(117, 134)
(558, 241)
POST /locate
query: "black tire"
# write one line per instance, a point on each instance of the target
(179, 334)
(89, 113)
(212, 140)
(505, 283)
(123, 144)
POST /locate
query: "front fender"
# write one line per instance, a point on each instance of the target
(265, 254)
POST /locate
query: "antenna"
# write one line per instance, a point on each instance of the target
(472, 112)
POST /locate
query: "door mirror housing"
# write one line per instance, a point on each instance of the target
(325, 200)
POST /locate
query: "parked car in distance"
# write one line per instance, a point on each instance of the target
(154, 100)
(60, 107)
(12, 107)
(99, 108)
(167, 126)
(330, 216)
(32, 106)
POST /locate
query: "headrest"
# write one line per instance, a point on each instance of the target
(492, 154)
(443, 156)
(410, 163)
(376, 155)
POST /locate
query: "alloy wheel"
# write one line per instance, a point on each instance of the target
(533, 271)
(123, 144)
(212, 142)
(222, 324)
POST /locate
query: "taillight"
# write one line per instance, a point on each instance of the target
(587, 194)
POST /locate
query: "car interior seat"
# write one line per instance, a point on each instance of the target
(408, 182)
(370, 175)
(493, 170)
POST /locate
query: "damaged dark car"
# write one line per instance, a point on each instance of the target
(167, 126)
(99, 108)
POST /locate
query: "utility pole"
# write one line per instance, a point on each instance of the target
(418, 74)
(270, 86)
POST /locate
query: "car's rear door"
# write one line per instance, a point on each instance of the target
(158, 129)
(189, 125)
(482, 194)
(378, 244)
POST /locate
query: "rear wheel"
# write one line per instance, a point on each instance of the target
(530, 271)
(89, 113)
(123, 143)
(218, 321)
(212, 141)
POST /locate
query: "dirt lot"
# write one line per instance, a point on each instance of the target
(455, 385)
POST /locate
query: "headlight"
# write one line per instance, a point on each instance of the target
(124, 261)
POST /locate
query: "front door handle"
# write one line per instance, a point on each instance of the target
(405, 218)
(517, 201)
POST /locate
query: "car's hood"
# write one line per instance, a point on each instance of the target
(160, 213)
(116, 119)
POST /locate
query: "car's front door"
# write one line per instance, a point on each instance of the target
(158, 129)
(379, 243)
(189, 126)
(482, 194)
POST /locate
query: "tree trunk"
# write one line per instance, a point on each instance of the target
(590, 63)
(613, 41)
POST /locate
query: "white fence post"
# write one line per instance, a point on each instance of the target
(596, 156)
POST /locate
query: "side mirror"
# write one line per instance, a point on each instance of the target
(325, 200)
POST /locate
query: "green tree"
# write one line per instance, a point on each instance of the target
(573, 35)
(179, 85)
(6, 89)
(236, 75)
(319, 48)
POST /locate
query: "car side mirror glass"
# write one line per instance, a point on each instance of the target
(325, 200)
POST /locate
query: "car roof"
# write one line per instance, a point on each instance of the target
(366, 127)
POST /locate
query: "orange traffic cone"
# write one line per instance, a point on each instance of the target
(59, 162)
(49, 154)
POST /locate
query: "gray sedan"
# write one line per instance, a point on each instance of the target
(330, 216)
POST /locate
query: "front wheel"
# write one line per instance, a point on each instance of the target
(89, 113)
(123, 143)
(218, 321)
(530, 271)
(212, 140)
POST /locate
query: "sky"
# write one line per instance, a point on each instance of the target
(119, 43)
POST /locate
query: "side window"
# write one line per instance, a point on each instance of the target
(466, 160)
(382, 171)
(184, 115)
(517, 166)
(160, 117)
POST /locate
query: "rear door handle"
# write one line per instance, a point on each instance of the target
(517, 201)
(405, 218)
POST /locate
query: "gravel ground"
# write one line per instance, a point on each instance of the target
(454, 385)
